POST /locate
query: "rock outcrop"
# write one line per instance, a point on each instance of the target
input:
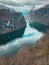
(39, 17)
(12, 24)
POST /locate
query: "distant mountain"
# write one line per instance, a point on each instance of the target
(39, 17)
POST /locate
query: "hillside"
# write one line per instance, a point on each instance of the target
(12, 24)
(36, 55)
(40, 14)
(39, 17)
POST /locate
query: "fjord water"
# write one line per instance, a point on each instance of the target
(29, 37)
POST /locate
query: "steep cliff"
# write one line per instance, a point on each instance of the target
(39, 17)
(12, 24)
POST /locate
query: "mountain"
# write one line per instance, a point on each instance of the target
(12, 24)
(37, 54)
(39, 17)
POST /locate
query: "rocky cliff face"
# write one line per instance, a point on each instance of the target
(12, 24)
(10, 20)
(39, 17)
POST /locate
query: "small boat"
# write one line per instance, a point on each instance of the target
(12, 24)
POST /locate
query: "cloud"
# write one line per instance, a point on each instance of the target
(27, 1)
(22, 2)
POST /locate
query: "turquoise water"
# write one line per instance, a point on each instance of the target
(29, 37)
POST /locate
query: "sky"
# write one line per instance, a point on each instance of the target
(26, 1)
(21, 1)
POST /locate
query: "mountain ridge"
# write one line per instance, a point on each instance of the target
(40, 15)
